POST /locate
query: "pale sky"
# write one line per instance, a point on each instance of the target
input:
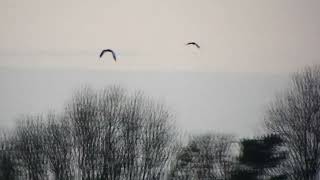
(237, 36)
(200, 101)
(49, 48)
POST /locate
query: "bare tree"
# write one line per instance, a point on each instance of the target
(147, 138)
(83, 115)
(157, 141)
(118, 135)
(102, 135)
(215, 155)
(131, 133)
(207, 156)
(182, 167)
(8, 158)
(30, 147)
(295, 116)
(111, 105)
(59, 147)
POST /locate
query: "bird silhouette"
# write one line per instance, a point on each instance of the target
(193, 43)
(111, 51)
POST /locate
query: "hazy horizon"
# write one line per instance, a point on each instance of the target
(222, 102)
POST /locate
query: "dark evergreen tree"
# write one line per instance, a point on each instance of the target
(258, 158)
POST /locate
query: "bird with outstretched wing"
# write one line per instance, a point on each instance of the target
(193, 43)
(109, 50)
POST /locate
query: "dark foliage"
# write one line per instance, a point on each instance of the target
(258, 157)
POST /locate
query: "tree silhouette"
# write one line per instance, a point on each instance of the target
(30, 147)
(258, 157)
(113, 134)
(118, 135)
(8, 162)
(295, 117)
(59, 147)
(207, 156)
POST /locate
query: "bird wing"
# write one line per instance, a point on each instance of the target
(114, 56)
(193, 43)
(101, 54)
(109, 50)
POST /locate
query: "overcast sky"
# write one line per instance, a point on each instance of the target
(248, 48)
(200, 101)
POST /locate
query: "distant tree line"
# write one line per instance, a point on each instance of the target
(114, 134)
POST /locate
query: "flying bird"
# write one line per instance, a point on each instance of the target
(111, 51)
(193, 43)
